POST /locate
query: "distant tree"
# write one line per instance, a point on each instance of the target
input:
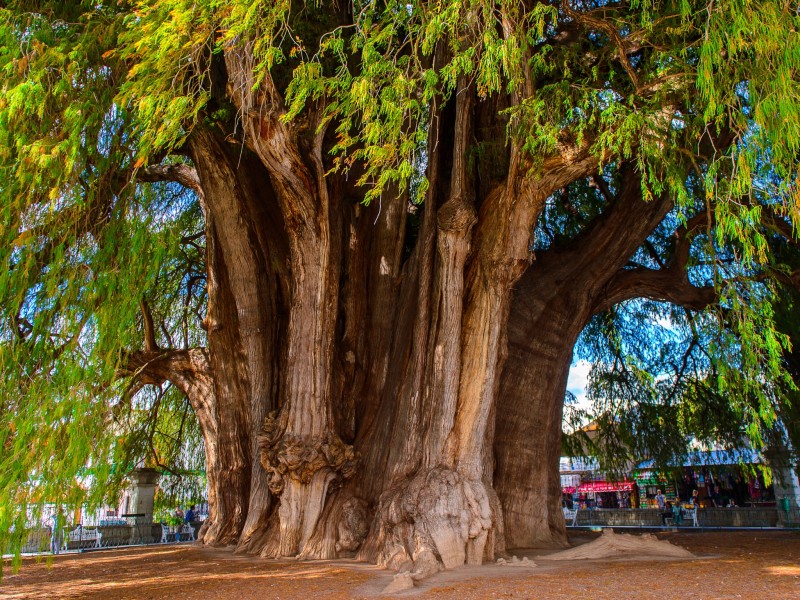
(787, 434)
(362, 239)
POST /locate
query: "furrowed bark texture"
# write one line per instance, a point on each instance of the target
(433, 516)
(387, 381)
(555, 300)
(242, 327)
(439, 509)
(396, 382)
(299, 445)
(388, 392)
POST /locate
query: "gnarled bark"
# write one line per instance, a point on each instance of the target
(363, 399)
(555, 300)
(296, 443)
(439, 509)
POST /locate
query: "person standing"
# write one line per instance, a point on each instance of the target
(660, 500)
(189, 515)
(677, 512)
(55, 541)
(667, 514)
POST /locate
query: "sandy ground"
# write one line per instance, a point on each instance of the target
(763, 565)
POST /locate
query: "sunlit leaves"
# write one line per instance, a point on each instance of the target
(168, 46)
(80, 245)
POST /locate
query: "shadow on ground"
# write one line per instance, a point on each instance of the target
(727, 565)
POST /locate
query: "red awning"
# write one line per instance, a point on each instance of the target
(568, 490)
(605, 486)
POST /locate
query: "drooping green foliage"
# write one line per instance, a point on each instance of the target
(79, 245)
(665, 377)
(93, 91)
(690, 69)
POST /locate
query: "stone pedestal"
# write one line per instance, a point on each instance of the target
(143, 490)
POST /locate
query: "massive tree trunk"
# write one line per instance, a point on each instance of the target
(529, 414)
(242, 326)
(554, 302)
(362, 399)
(361, 395)
(322, 336)
(363, 402)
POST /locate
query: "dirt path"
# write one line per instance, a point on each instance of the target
(728, 565)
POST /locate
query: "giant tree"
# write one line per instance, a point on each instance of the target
(362, 238)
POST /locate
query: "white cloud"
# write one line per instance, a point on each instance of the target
(578, 381)
(665, 322)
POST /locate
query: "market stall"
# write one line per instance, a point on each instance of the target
(607, 494)
(720, 478)
(649, 483)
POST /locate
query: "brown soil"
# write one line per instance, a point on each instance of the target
(728, 565)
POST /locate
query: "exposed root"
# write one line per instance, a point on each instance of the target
(340, 530)
(399, 583)
(352, 526)
(516, 562)
(440, 520)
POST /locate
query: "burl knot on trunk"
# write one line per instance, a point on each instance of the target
(289, 456)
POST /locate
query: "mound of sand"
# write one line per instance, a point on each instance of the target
(612, 545)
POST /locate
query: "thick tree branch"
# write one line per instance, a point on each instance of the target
(683, 239)
(671, 284)
(667, 285)
(774, 221)
(589, 20)
(277, 143)
(178, 173)
(188, 370)
(150, 344)
(608, 242)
